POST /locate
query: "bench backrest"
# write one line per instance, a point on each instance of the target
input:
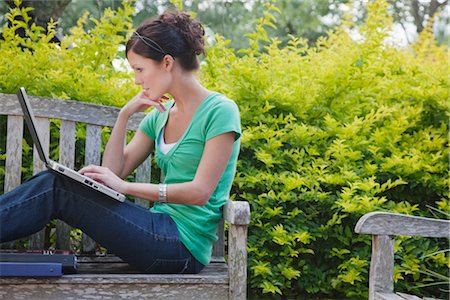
(95, 117)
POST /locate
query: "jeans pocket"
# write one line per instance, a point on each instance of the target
(168, 266)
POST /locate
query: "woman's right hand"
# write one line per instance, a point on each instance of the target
(141, 102)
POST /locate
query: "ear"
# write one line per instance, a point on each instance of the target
(168, 61)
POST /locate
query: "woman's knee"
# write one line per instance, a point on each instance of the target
(45, 177)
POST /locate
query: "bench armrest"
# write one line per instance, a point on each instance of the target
(237, 215)
(383, 223)
(383, 227)
(237, 212)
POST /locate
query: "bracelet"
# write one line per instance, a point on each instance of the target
(162, 193)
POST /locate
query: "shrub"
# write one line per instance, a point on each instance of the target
(330, 132)
(80, 68)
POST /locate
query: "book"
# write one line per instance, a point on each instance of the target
(67, 259)
(31, 269)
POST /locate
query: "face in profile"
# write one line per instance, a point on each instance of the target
(154, 77)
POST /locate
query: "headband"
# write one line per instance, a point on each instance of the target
(151, 43)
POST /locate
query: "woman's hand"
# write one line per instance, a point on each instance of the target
(105, 176)
(141, 102)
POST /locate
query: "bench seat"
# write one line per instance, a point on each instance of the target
(110, 277)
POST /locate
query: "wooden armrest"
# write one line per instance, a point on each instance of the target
(237, 212)
(383, 223)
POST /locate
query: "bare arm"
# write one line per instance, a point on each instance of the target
(214, 160)
(123, 160)
(113, 157)
(136, 152)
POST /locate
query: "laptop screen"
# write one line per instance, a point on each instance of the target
(31, 123)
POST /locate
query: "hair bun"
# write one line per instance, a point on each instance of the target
(191, 30)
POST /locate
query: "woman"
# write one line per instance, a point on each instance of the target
(195, 138)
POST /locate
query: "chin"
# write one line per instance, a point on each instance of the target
(151, 96)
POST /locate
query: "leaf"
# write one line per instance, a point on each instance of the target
(290, 273)
(268, 287)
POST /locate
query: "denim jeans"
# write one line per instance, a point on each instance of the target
(148, 241)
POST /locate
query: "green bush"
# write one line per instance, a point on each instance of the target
(330, 132)
(80, 68)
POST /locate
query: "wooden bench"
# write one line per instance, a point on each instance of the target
(384, 227)
(107, 276)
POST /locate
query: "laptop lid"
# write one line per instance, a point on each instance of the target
(31, 123)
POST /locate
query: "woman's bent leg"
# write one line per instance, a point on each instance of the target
(148, 241)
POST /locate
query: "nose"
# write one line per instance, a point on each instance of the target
(137, 80)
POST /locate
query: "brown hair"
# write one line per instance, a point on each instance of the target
(173, 33)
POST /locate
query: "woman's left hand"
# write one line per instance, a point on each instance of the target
(105, 176)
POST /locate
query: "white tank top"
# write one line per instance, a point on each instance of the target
(163, 147)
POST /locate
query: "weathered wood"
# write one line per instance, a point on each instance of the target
(381, 266)
(13, 163)
(43, 129)
(143, 174)
(408, 296)
(36, 241)
(67, 158)
(237, 212)
(111, 264)
(383, 227)
(219, 245)
(67, 110)
(113, 275)
(387, 296)
(237, 261)
(92, 157)
(101, 289)
(397, 224)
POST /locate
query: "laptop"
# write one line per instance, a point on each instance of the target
(54, 166)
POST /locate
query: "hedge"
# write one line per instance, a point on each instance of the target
(330, 132)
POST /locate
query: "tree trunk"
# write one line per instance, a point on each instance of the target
(43, 11)
(419, 10)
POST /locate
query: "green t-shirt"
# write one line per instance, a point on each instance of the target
(197, 224)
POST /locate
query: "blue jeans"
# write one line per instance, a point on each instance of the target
(148, 241)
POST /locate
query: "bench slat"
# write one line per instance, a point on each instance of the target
(408, 296)
(219, 245)
(67, 158)
(214, 273)
(92, 156)
(387, 296)
(381, 265)
(117, 286)
(143, 174)
(13, 162)
(67, 110)
(43, 129)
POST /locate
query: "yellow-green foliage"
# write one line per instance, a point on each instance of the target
(329, 133)
(80, 68)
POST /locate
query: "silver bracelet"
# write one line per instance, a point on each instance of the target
(162, 193)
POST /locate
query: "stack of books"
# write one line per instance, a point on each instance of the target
(37, 263)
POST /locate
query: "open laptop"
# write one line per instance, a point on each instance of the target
(54, 166)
